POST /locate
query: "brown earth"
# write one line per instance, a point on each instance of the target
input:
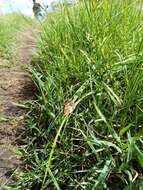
(16, 87)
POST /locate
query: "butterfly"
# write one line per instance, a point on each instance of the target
(69, 108)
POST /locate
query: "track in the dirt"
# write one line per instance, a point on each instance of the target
(15, 86)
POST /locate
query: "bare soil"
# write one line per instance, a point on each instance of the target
(16, 87)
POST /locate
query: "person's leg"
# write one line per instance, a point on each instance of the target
(39, 17)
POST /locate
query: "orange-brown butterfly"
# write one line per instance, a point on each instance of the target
(69, 108)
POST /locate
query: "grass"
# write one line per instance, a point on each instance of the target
(10, 25)
(90, 54)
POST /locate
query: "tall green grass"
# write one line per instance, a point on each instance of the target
(91, 54)
(10, 25)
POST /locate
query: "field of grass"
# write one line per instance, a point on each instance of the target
(90, 55)
(10, 25)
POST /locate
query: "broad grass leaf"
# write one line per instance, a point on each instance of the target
(139, 155)
(125, 129)
(103, 175)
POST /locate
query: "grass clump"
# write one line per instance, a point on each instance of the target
(10, 25)
(90, 54)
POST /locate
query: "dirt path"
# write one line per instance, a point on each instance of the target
(15, 87)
